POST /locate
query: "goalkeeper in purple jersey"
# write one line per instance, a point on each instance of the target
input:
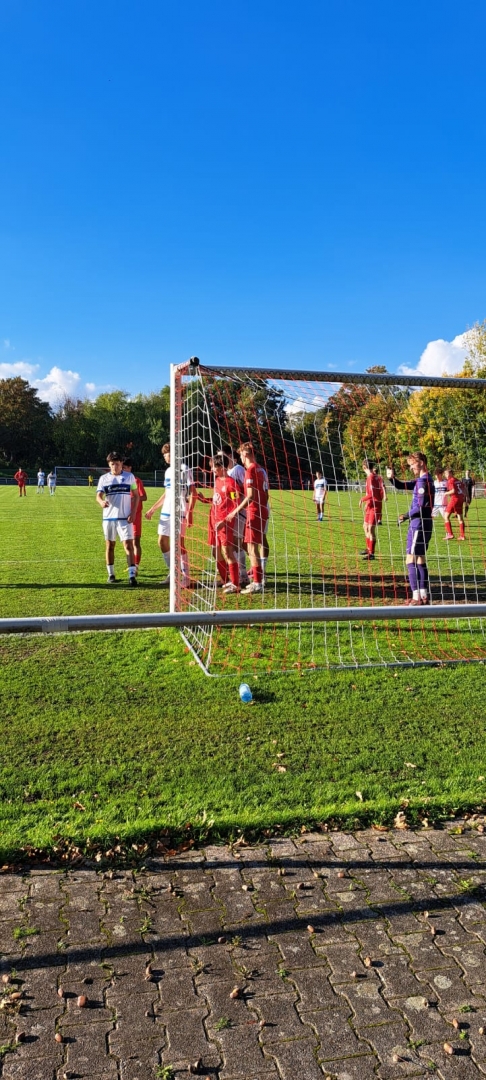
(420, 525)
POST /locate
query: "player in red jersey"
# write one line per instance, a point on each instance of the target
(372, 501)
(255, 503)
(457, 495)
(21, 478)
(226, 497)
(137, 521)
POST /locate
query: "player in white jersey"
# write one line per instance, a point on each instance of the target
(320, 492)
(51, 482)
(41, 479)
(237, 472)
(440, 498)
(117, 494)
(165, 503)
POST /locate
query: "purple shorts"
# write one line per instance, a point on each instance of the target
(418, 537)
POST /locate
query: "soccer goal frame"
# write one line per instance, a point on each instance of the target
(198, 637)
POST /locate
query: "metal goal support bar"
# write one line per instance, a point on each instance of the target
(66, 624)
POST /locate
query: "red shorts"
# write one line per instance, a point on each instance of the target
(137, 529)
(455, 505)
(225, 534)
(372, 517)
(255, 530)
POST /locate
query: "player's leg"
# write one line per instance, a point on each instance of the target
(221, 565)
(449, 535)
(130, 554)
(264, 549)
(256, 566)
(230, 557)
(163, 540)
(460, 520)
(110, 558)
(137, 549)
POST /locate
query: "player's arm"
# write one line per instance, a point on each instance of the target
(156, 506)
(191, 502)
(142, 493)
(101, 498)
(249, 497)
(400, 485)
(135, 503)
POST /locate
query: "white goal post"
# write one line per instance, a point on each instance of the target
(301, 422)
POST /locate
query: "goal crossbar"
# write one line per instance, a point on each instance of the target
(153, 620)
(371, 379)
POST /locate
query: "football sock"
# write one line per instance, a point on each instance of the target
(234, 573)
(222, 570)
(257, 574)
(461, 530)
(242, 562)
(423, 579)
(372, 547)
(132, 571)
(185, 564)
(263, 564)
(111, 569)
(137, 559)
(166, 558)
(368, 545)
(412, 577)
(448, 529)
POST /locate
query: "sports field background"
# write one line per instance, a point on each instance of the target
(54, 565)
(116, 737)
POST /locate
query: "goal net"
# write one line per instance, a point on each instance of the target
(311, 433)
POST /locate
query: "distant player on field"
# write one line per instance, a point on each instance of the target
(255, 503)
(372, 501)
(420, 528)
(440, 498)
(90, 480)
(118, 496)
(21, 477)
(41, 479)
(137, 521)
(320, 492)
(51, 482)
(188, 499)
(469, 486)
(455, 505)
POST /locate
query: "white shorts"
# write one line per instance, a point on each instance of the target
(320, 502)
(164, 527)
(113, 528)
(436, 510)
(239, 529)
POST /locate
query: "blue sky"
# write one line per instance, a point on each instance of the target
(254, 182)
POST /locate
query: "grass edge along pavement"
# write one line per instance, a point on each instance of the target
(114, 740)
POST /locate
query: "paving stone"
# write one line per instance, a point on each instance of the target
(281, 1019)
(186, 1036)
(296, 950)
(240, 1046)
(314, 989)
(87, 1050)
(296, 1058)
(335, 1035)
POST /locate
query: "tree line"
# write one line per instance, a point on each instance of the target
(382, 422)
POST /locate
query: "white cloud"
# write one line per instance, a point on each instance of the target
(57, 384)
(22, 368)
(440, 357)
(91, 386)
(6, 343)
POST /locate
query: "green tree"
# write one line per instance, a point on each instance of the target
(26, 424)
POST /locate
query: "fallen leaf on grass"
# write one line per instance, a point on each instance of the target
(410, 764)
(78, 806)
(359, 795)
(279, 768)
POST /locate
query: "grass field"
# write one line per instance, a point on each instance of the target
(113, 738)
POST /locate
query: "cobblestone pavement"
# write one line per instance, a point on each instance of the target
(338, 955)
